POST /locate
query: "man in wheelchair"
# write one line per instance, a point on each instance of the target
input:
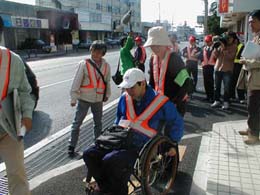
(142, 109)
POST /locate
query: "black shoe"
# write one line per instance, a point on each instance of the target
(71, 151)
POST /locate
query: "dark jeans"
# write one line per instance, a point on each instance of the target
(208, 77)
(253, 107)
(240, 93)
(226, 78)
(110, 168)
(192, 68)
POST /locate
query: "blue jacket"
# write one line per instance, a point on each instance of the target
(167, 113)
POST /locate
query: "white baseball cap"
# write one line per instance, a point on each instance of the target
(157, 36)
(131, 77)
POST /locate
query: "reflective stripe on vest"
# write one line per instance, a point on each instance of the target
(191, 52)
(94, 82)
(159, 73)
(140, 123)
(240, 45)
(206, 61)
(143, 57)
(5, 60)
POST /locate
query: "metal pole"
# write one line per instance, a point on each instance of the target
(206, 17)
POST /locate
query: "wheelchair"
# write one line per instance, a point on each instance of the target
(154, 171)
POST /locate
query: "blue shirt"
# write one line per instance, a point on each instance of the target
(167, 113)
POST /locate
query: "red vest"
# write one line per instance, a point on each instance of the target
(5, 61)
(140, 123)
(95, 82)
(211, 60)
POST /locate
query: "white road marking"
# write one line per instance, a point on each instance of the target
(50, 85)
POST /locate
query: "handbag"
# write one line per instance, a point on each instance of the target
(114, 138)
(117, 77)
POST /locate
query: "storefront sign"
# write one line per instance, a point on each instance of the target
(25, 22)
(223, 6)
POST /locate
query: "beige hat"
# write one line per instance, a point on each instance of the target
(131, 77)
(157, 36)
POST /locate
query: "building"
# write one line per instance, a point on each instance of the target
(98, 19)
(234, 15)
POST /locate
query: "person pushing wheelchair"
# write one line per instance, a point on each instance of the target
(141, 109)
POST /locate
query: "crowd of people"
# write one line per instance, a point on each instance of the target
(142, 104)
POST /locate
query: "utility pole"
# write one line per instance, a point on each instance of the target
(206, 3)
(159, 13)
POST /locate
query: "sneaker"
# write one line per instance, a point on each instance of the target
(252, 140)
(225, 106)
(215, 104)
(71, 151)
(242, 102)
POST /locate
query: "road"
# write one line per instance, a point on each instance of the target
(53, 112)
(55, 76)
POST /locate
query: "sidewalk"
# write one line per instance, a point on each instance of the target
(225, 166)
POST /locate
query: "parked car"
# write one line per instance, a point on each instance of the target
(112, 42)
(36, 44)
(85, 44)
(33, 83)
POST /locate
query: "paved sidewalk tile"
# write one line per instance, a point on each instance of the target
(233, 167)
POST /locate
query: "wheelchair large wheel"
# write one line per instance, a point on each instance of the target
(158, 169)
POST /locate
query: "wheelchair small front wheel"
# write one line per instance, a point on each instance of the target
(158, 168)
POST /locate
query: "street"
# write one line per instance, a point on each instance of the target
(54, 113)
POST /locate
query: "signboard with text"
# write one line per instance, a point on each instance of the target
(223, 6)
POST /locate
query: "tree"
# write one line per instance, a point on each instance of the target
(214, 21)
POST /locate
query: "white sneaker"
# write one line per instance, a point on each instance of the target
(215, 104)
(225, 106)
(242, 102)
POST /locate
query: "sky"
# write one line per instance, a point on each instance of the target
(175, 11)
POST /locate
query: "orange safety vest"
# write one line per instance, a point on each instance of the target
(160, 72)
(191, 53)
(143, 57)
(5, 61)
(140, 123)
(210, 61)
(95, 83)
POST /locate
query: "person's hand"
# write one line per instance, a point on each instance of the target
(242, 61)
(27, 122)
(172, 152)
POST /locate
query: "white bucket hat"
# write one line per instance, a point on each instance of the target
(131, 77)
(157, 36)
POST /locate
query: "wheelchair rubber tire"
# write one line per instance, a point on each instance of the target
(150, 187)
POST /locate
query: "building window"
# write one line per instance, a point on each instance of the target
(95, 17)
(98, 6)
(109, 8)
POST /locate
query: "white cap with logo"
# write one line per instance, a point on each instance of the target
(131, 77)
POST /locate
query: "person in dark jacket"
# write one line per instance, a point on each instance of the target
(140, 108)
(140, 54)
(168, 74)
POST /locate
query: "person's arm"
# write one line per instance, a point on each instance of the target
(24, 90)
(121, 107)
(138, 53)
(174, 121)
(129, 43)
(107, 79)
(77, 81)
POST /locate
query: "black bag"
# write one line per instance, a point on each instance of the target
(114, 138)
(117, 78)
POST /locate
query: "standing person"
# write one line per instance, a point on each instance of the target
(208, 63)
(236, 71)
(252, 66)
(12, 76)
(140, 54)
(142, 109)
(126, 58)
(168, 74)
(225, 54)
(192, 54)
(175, 46)
(89, 90)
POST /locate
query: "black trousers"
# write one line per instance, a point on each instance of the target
(253, 107)
(240, 93)
(192, 68)
(208, 77)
